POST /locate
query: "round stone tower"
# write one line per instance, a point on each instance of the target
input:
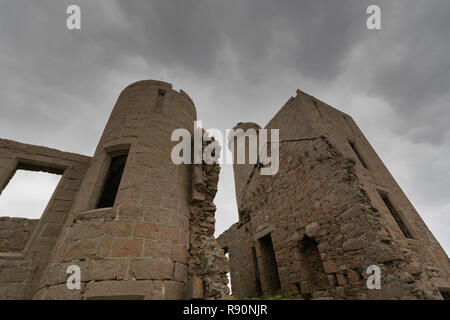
(128, 230)
(248, 131)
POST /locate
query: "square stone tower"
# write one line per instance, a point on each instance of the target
(333, 209)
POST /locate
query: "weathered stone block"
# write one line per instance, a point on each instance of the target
(413, 268)
(151, 269)
(174, 290)
(180, 272)
(146, 230)
(311, 229)
(51, 230)
(105, 270)
(117, 229)
(330, 267)
(352, 244)
(12, 275)
(127, 248)
(194, 288)
(83, 249)
(104, 248)
(127, 289)
(12, 292)
(61, 292)
(156, 249)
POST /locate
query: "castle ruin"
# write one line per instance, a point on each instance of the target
(137, 225)
(332, 210)
(140, 227)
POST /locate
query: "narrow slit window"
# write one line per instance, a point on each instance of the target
(358, 155)
(395, 215)
(112, 181)
(160, 98)
(317, 108)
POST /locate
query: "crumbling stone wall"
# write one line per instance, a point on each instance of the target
(310, 231)
(238, 242)
(317, 195)
(24, 255)
(325, 202)
(208, 266)
(143, 245)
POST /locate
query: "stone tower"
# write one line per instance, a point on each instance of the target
(333, 209)
(242, 171)
(128, 226)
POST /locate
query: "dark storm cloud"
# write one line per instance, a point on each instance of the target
(316, 35)
(407, 62)
(409, 65)
(240, 60)
(47, 66)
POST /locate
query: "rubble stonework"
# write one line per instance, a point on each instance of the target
(208, 266)
(313, 229)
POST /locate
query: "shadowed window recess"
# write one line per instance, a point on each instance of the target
(358, 154)
(160, 99)
(112, 181)
(270, 277)
(312, 270)
(395, 215)
(256, 271)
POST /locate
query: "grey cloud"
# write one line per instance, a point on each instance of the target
(314, 35)
(408, 64)
(240, 60)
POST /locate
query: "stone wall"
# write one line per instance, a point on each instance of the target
(238, 242)
(324, 216)
(21, 268)
(311, 230)
(140, 247)
(146, 243)
(316, 195)
(137, 246)
(15, 233)
(208, 266)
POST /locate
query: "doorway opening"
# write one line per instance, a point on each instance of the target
(270, 277)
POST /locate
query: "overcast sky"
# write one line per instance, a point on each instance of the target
(240, 60)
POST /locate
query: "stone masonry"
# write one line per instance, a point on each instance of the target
(139, 226)
(332, 210)
(207, 262)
